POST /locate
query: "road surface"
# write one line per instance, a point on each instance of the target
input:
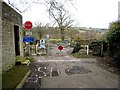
(60, 70)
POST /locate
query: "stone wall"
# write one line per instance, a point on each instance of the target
(9, 18)
(0, 45)
(0, 36)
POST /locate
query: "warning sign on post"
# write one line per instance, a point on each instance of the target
(42, 43)
(28, 33)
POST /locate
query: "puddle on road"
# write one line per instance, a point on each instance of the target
(76, 70)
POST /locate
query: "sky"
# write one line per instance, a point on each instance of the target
(86, 13)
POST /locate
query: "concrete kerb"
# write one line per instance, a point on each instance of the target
(22, 82)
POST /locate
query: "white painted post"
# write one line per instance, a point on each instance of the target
(36, 48)
(87, 49)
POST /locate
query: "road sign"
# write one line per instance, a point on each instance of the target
(28, 39)
(60, 47)
(28, 33)
(42, 43)
(47, 36)
(28, 25)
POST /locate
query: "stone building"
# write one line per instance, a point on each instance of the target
(10, 35)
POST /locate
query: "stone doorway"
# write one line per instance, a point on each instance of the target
(16, 36)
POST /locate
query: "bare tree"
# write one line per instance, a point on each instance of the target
(60, 15)
(24, 5)
(20, 5)
(39, 29)
(56, 9)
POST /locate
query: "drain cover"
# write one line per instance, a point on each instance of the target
(76, 70)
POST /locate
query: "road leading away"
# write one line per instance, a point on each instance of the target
(60, 70)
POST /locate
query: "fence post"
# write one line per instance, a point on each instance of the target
(87, 49)
(102, 49)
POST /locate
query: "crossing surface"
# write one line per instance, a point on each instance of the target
(60, 70)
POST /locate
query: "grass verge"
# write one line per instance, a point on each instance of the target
(12, 77)
(81, 55)
(107, 63)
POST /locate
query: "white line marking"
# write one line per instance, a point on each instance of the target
(39, 69)
(45, 68)
(39, 77)
(44, 74)
(51, 72)
(57, 60)
(51, 69)
(36, 80)
(58, 71)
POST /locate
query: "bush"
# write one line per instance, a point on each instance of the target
(95, 46)
(113, 39)
(81, 55)
(31, 59)
(116, 57)
(77, 47)
(72, 43)
(20, 58)
(105, 46)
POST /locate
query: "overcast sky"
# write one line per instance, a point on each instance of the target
(86, 13)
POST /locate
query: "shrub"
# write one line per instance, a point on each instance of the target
(95, 46)
(105, 46)
(20, 58)
(77, 47)
(81, 55)
(113, 39)
(116, 57)
(31, 59)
